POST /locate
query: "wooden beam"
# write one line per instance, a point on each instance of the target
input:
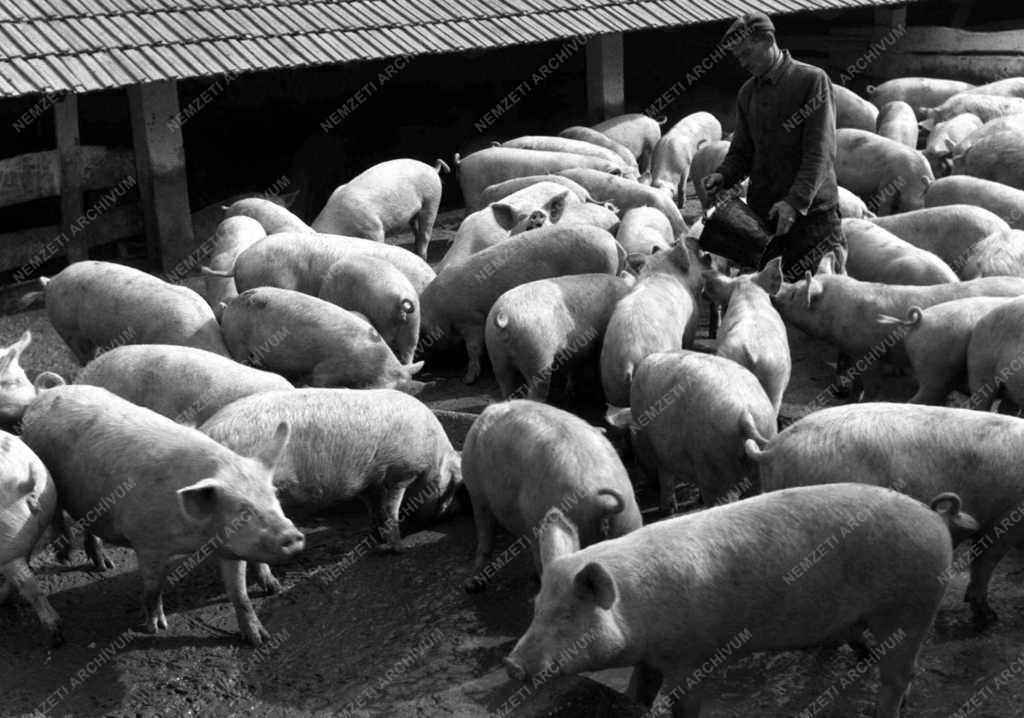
(890, 17)
(962, 12)
(68, 150)
(160, 163)
(606, 85)
(37, 175)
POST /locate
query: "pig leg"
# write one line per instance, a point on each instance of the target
(896, 666)
(62, 549)
(506, 374)
(265, 577)
(94, 550)
(667, 488)
(233, 575)
(687, 705)
(981, 574)
(484, 521)
(153, 567)
(644, 684)
(714, 319)
(20, 576)
(425, 225)
(390, 506)
(474, 338)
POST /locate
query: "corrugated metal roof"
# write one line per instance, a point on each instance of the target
(84, 45)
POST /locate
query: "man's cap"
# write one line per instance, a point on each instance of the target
(746, 25)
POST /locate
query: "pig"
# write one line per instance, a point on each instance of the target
(485, 167)
(706, 160)
(752, 333)
(589, 134)
(300, 262)
(660, 314)
(922, 450)
(1001, 253)
(626, 194)
(876, 255)
(521, 458)
(603, 215)
(272, 216)
(670, 164)
(184, 384)
(98, 305)
(206, 220)
(16, 391)
(28, 499)
(234, 235)
(501, 190)
(944, 139)
(312, 341)
(637, 132)
(383, 200)
(672, 596)
(936, 343)
(888, 176)
(916, 91)
(897, 121)
(549, 324)
(316, 168)
(987, 107)
(1007, 87)
(376, 289)
(1004, 201)
(997, 157)
(1013, 123)
(696, 436)
(843, 310)
(578, 147)
(457, 302)
(643, 231)
(174, 490)
(853, 207)
(951, 231)
(853, 111)
(378, 444)
(994, 357)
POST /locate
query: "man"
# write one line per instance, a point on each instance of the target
(785, 140)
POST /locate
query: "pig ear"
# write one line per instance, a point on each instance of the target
(556, 206)
(558, 537)
(415, 368)
(6, 357)
(645, 178)
(287, 200)
(48, 380)
(619, 417)
(926, 181)
(814, 289)
(19, 346)
(594, 584)
(770, 278)
(198, 502)
(827, 264)
(950, 145)
(272, 452)
(504, 215)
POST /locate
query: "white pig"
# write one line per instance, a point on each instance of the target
(897, 121)
(853, 111)
(643, 231)
(638, 132)
(234, 235)
(876, 255)
(580, 147)
(500, 190)
(916, 91)
(670, 164)
(589, 134)
(995, 356)
(272, 216)
(1000, 253)
(706, 160)
(853, 207)
(944, 139)
(626, 194)
(997, 156)
(888, 176)
(987, 107)
(1004, 201)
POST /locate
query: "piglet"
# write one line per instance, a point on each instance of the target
(233, 236)
(271, 215)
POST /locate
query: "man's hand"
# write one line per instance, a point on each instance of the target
(714, 183)
(784, 215)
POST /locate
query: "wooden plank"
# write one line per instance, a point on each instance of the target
(160, 171)
(68, 141)
(606, 84)
(36, 175)
(27, 249)
(970, 68)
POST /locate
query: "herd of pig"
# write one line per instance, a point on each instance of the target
(292, 384)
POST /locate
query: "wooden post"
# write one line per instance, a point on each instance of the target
(887, 18)
(160, 162)
(73, 229)
(605, 78)
(962, 13)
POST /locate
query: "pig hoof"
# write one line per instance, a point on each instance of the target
(474, 584)
(103, 564)
(271, 586)
(254, 634)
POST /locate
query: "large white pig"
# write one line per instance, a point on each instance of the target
(854, 111)
(543, 326)
(312, 341)
(385, 199)
(671, 597)
(16, 391)
(28, 499)
(376, 289)
(951, 231)
(944, 139)
(637, 131)
(670, 164)
(1000, 253)
(916, 91)
(936, 343)
(500, 190)
(458, 300)
(706, 160)
(853, 207)
(1007, 87)
(987, 107)
(997, 156)
(752, 333)
(875, 254)
(922, 450)
(626, 194)
(182, 383)
(522, 458)
(995, 357)
(272, 216)
(689, 414)
(596, 137)
(376, 444)
(100, 305)
(643, 231)
(994, 126)
(234, 235)
(660, 314)
(1004, 201)
(897, 121)
(549, 143)
(168, 490)
(888, 176)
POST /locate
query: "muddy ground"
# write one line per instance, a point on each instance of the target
(396, 635)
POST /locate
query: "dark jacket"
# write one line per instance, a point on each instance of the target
(785, 139)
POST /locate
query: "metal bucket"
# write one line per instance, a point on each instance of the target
(732, 230)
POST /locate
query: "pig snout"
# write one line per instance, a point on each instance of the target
(514, 670)
(537, 219)
(291, 542)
